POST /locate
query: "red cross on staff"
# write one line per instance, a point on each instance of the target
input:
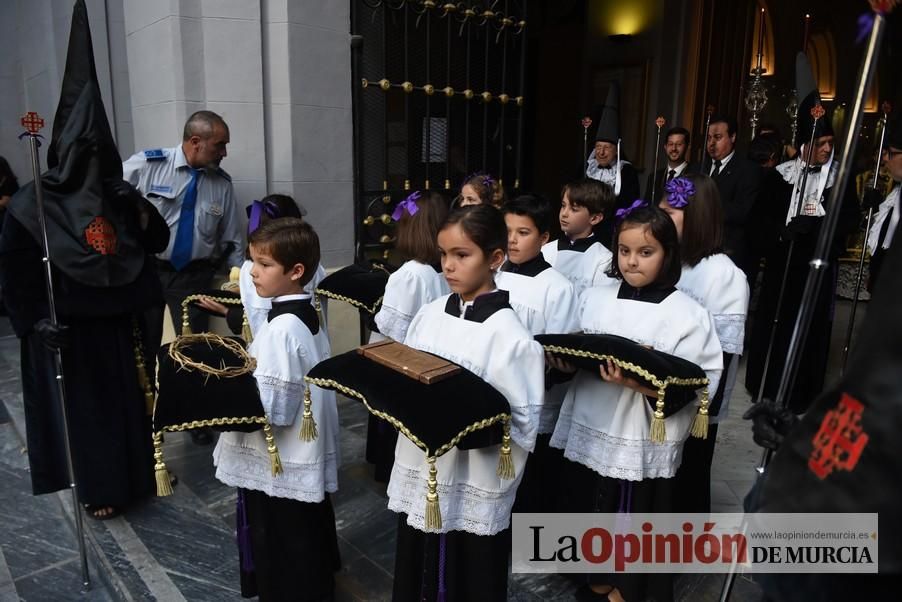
(32, 122)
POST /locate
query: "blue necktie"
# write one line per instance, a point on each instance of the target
(184, 236)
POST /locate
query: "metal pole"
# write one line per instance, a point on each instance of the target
(58, 361)
(654, 176)
(867, 233)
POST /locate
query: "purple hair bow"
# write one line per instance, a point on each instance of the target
(409, 204)
(622, 213)
(256, 211)
(678, 192)
(487, 180)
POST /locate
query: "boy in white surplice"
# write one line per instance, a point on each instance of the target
(286, 526)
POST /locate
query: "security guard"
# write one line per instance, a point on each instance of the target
(196, 198)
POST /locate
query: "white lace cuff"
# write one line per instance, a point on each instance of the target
(731, 332)
(393, 323)
(281, 399)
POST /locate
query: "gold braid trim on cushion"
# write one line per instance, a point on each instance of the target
(326, 383)
(186, 325)
(657, 382)
(433, 512)
(354, 302)
(196, 424)
(164, 485)
(656, 433)
(186, 363)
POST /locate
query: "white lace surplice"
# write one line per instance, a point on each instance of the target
(546, 304)
(605, 426)
(472, 497)
(411, 287)
(285, 351)
(584, 269)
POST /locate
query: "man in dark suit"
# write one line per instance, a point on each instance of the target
(676, 147)
(738, 180)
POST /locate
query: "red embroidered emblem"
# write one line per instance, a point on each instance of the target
(840, 440)
(101, 236)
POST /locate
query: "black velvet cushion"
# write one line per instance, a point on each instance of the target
(680, 378)
(434, 414)
(188, 395)
(360, 285)
(227, 298)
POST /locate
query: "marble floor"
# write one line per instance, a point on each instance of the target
(182, 547)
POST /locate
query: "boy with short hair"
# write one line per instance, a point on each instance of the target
(579, 254)
(546, 302)
(287, 540)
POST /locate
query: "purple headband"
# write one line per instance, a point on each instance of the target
(678, 192)
(255, 213)
(621, 214)
(409, 204)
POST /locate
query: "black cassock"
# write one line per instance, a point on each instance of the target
(809, 381)
(99, 236)
(109, 426)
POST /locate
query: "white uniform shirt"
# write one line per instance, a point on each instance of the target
(162, 175)
(546, 303)
(256, 307)
(501, 351)
(584, 262)
(605, 426)
(409, 288)
(285, 351)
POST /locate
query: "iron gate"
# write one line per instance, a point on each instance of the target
(438, 94)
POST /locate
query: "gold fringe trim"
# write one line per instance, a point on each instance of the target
(657, 433)
(164, 487)
(275, 460)
(308, 424)
(433, 511)
(700, 424)
(505, 461)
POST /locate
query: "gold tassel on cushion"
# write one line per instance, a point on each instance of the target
(275, 461)
(308, 424)
(143, 381)
(506, 462)
(186, 325)
(318, 306)
(164, 487)
(658, 435)
(700, 424)
(246, 329)
(433, 512)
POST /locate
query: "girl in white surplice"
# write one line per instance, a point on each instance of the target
(467, 558)
(605, 423)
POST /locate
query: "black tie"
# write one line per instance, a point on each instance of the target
(716, 171)
(670, 174)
